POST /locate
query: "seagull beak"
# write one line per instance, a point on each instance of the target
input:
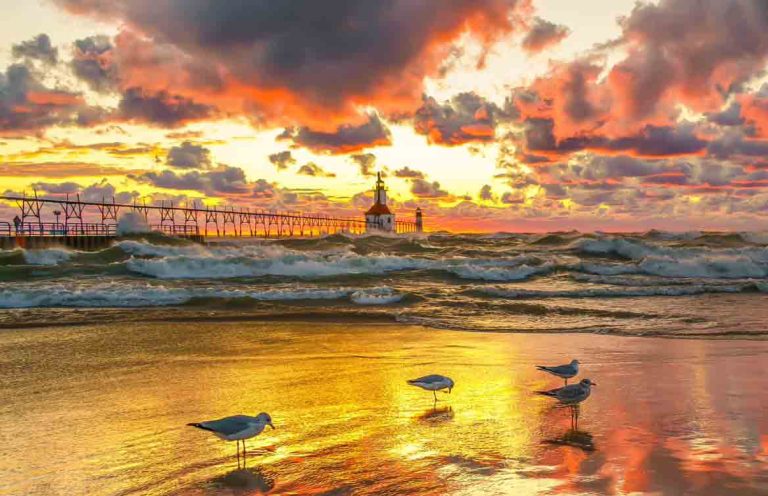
(270, 424)
(593, 383)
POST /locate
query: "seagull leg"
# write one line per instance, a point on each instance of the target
(244, 454)
(238, 453)
(576, 414)
(566, 381)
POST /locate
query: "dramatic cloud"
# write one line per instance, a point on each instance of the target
(336, 55)
(93, 63)
(409, 173)
(366, 162)
(38, 48)
(690, 51)
(28, 105)
(486, 193)
(650, 141)
(224, 179)
(282, 160)
(466, 118)
(543, 34)
(347, 138)
(425, 189)
(161, 108)
(312, 169)
(189, 156)
(95, 192)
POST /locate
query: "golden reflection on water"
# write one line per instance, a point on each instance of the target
(101, 410)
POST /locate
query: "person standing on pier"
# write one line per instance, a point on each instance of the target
(17, 223)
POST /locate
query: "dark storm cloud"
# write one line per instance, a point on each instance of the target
(736, 144)
(161, 108)
(324, 51)
(26, 104)
(224, 179)
(653, 141)
(347, 138)
(731, 116)
(467, 117)
(543, 34)
(282, 160)
(189, 156)
(38, 48)
(92, 63)
(690, 49)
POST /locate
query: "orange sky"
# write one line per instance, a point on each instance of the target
(491, 115)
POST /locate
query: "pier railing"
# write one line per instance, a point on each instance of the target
(185, 220)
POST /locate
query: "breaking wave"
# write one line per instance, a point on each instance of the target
(145, 295)
(623, 292)
(565, 280)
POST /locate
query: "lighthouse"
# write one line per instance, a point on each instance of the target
(379, 217)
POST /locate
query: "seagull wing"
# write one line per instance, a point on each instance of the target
(428, 379)
(226, 426)
(570, 392)
(560, 369)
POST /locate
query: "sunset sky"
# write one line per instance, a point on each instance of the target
(491, 115)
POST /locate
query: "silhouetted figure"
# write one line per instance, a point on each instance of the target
(16, 223)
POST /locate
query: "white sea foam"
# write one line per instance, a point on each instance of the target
(47, 256)
(191, 262)
(669, 261)
(145, 295)
(376, 296)
(519, 273)
(308, 265)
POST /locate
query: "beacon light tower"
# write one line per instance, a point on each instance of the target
(419, 220)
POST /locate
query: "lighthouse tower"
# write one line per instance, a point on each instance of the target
(379, 217)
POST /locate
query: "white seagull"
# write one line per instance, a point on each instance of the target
(562, 371)
(236, 428)
(434, 382)
(575, 393)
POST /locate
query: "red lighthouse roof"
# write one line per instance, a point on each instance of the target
(378, 209)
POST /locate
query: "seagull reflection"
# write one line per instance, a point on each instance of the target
(573, 437)
(253, 481)
(437, 415)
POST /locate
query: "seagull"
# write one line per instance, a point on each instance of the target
(562, 371)
(236, 428)
(435, 382)
(575, 393)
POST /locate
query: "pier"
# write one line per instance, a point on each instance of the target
(89, 225)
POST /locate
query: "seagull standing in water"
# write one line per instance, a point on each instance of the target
(562, 371)
(236, 428)
(573, 394)
(434, 383)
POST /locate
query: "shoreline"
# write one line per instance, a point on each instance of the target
(122, 395)
(51, 317)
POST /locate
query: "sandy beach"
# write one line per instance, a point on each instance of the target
(101, 409)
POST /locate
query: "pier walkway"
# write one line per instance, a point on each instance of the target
(92, 225)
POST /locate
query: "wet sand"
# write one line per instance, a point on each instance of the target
(101, 409)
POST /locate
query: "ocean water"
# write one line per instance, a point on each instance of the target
(656, 283)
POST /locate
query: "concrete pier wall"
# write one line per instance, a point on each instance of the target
(82, 243)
